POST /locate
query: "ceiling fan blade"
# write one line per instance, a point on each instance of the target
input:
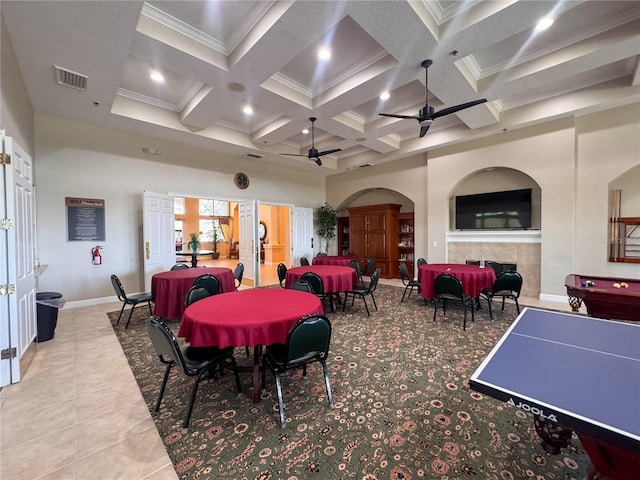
(327, 152)
(423, 130)
(457, 108)
(318, 161)
(293, 155)
(399, 116)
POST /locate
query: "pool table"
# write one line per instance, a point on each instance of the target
(602, 299)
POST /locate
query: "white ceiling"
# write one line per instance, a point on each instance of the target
(208, 50)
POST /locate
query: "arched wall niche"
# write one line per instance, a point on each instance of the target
(375, 196)
(521, 247)
(629, 185)
(497, 179)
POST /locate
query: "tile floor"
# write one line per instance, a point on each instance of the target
(78, 412)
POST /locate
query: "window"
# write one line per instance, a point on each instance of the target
(178, 205)
(206, 231)
(213, 208)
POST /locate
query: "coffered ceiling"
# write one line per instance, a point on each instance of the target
(217, 57)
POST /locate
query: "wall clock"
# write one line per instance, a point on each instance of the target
(241, 180)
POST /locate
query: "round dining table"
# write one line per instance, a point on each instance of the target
(341, 260)
(473, 277)
(170, 288)
(252, 318)
(335, 278)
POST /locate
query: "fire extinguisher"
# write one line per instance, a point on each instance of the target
(95, 254)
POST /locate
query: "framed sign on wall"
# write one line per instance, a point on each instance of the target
(85, 219)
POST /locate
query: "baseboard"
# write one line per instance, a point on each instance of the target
(547, 297)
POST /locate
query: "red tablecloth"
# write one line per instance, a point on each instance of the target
(257, 316)
(334, 277)
(170, 288)
(341, 260)
(473, 278)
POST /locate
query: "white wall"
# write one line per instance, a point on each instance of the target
(78, 160)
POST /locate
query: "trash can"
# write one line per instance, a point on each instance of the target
(47, 306)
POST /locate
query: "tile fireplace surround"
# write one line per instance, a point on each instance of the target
(521, 248)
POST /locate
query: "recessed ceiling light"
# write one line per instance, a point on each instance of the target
(305, 131)
(324, 53)
(156, 76)
(151, 151)
(361, 139)
(247, 109)
(544, 23)
(385, 95)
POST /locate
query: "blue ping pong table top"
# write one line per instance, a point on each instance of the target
(582, 372)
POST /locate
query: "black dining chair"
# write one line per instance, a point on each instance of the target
(180, 266)
(197, 362)
(449, 288)
(301, 285)
(304, 262)
(356, 266)
(364, 292)
(507, 285)
(238, 273)
(208, 281)
(196, 293)
(307, 342)
(409, 283)
(282, 273)
(133, 300)
(317, 285)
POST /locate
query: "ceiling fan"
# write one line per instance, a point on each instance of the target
(313, 153)
(426, 116)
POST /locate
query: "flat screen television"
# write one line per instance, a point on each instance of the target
(493, 211)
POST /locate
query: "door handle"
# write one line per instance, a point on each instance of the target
(147, 250)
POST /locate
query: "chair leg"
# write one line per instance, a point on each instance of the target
(374, 301)
(489, 304)
(464, 321)
(162, 386)
(364, 299)
(121, 311)
(133, 307)
(517, 305)
(404, 293)
(234, 367)
(194, 391)
(327, 383)
(150, 310)
(435, 309)
(280, 402)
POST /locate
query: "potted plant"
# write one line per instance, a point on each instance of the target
(194, 242)
(326, 223)
(215, 255)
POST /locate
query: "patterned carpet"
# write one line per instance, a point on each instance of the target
(403, 408)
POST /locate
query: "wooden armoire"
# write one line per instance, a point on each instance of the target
(373, 233)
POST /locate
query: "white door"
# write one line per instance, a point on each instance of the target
(249, 251)
(18, 327)
(302, 226)
(159, 244)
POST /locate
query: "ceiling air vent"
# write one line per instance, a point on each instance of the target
(71, 79)
(365, 165)
(253, 155)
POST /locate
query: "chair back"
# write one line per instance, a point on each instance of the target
(282, 273)
(179, 266)
(374, 280)
(421, 261)
(315, 281)
(508, 283)
(356, 266)
(196, 293)
(448, 287)
(208, 281)
(304, 262)
(301, 285)
(370, 266)
(351, 254)
(308, 338)
(238, 273)
(165, 343)
(117, 286)
(321, 254)
(404, 273)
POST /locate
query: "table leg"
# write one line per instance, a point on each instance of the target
(257, 353)
(575, 303)
(194, 260)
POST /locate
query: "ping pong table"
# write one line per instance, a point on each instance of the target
(577, 372)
